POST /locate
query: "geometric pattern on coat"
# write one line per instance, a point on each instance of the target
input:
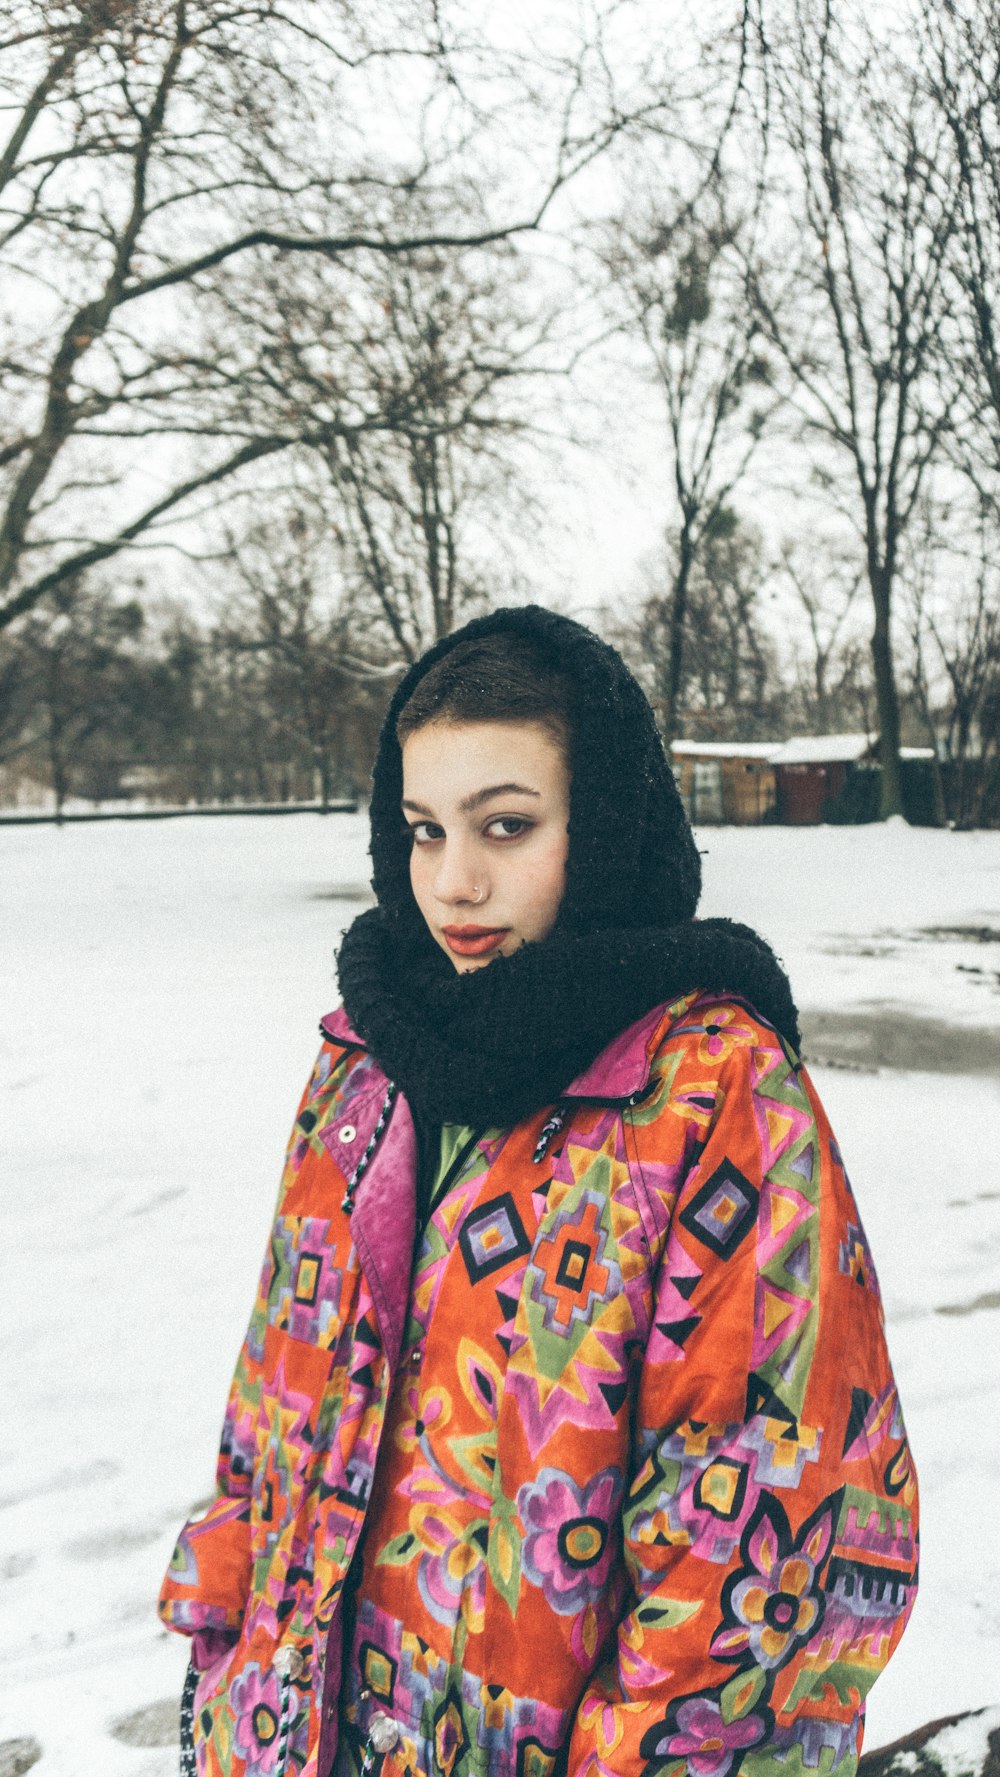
(628, 1457)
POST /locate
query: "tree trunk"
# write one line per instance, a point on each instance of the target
(940, 811)
(886, 698)
(678, 614)
(961, 812)
(938, 782)
(60, 782)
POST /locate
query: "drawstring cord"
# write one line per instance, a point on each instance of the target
(189, 1763)
(382, 1736)
(557, 1120)
(362, 1167)
(550, 1130)
(288, 1664)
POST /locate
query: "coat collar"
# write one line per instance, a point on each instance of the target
(383, 1216)
(620, 1070)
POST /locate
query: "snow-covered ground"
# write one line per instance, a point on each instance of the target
(160, 987)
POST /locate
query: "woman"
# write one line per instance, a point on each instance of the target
(564, 1437)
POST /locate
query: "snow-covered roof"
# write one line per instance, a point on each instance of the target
(724, 749)
(802, 749)
(823, 749)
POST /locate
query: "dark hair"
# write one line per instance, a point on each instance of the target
(493, 678)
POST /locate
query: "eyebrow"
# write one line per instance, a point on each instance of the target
(477, 798)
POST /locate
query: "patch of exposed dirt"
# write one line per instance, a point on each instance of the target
(888, 1037)
(346, 891)
(879, 945)
(991, 1299)
(969, 934)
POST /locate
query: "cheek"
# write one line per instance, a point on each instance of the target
(418, 872)
(548, 878)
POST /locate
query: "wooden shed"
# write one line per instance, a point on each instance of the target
(812, 772)
(730, 781)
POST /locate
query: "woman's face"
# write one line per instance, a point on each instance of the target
(487, 804)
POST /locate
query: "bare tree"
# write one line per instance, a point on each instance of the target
(733, 686)
(959, 43)
(151, 151)
(72, 672)
(955, 640)
(854, 298)
(415, 376)
(825, 583)
(323, 683)
(730, 687)
(409, 378)
(682, 285)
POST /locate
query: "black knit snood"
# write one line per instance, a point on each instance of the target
(495, 1044)
(491, 1046)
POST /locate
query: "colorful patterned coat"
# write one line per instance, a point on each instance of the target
(629, 1457)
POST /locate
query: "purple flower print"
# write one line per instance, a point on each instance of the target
(775, 1602)
(568, 1544)
(451, 1575)
(725, 1031)
(256, 1705)
(707, 1742)
(694, 1729)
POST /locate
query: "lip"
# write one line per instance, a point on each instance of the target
(474, 940)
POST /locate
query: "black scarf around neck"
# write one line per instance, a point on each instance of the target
(494, 1045)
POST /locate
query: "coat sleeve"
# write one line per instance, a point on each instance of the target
(207, 1583)
(770, 1526)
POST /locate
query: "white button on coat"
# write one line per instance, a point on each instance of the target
(348, 1132)
(383, 1733)
(288, 1662)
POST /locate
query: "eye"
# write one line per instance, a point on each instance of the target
(425, 832)
(511, 826)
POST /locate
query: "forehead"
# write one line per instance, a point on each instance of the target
(468, 755)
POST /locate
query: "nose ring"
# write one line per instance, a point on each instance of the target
(479, 896)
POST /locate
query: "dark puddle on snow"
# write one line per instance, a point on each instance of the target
(891, 942)
(885, 1037)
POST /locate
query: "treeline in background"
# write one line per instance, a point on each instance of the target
(323, 329)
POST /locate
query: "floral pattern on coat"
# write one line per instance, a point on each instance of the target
(624, 1443)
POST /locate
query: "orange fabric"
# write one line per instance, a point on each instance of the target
(635, 1493)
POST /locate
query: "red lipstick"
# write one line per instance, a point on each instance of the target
(474, 940)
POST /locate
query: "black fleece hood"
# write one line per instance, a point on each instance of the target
(493, 1045)
(632, 856)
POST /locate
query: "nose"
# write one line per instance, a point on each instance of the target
(460, 875)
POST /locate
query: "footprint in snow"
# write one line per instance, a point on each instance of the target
(156, 1724)
(13, 1566)
(18, 1756)
(64, 1481)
